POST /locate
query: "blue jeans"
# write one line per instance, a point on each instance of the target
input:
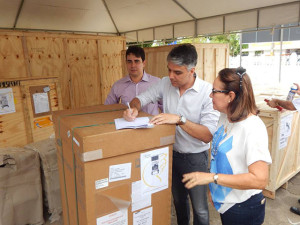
(182, 164)
(249, 212)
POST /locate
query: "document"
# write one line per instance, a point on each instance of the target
(155, 170)
(143, 217)
(140, 122)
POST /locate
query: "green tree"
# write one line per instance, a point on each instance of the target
(232, 39)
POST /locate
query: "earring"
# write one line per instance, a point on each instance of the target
(229, 101)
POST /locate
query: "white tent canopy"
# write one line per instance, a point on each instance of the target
(145, 20)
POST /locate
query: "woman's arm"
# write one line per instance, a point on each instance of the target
(256, 178)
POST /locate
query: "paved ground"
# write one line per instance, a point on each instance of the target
(277, 211)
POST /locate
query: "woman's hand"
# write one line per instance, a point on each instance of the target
(197, 178)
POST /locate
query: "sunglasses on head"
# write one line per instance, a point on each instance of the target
(240, 71)
(219, 91)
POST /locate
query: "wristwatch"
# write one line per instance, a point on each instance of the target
(182, 120)
(216, 176)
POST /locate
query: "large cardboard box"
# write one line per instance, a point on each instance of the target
(103, 171)
(20, 187)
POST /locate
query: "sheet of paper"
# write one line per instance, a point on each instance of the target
(140, 122)
(7, 104)
(155, 170)
(41, 102)
(119, 172)
(138, 200)
(116, 218)
(285, 130)
(143, 217)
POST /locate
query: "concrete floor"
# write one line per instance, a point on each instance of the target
(277, 210)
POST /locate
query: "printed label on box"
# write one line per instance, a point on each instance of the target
(119, 172)
(143, 217)
(101, 183)
(139, 200)
(116, 218)
(155, 170)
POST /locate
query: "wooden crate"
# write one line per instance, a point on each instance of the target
(211, 59)
(86, 65)
(24, 126)
(285, 160)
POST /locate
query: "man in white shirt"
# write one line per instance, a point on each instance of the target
(186, 103)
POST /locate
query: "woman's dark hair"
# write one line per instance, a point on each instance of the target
(238, 81)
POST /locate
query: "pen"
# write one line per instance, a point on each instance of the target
(128, 106)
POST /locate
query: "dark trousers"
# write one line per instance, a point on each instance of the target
(249, 212)
(182, 164)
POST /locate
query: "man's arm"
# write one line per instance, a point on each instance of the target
(198, 131)
(111, 97)
(282, 103)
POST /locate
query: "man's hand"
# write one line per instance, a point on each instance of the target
(130, 114)
(272, 103)
(165, 118)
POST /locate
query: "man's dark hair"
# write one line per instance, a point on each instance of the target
(137, 51)
(184, 55)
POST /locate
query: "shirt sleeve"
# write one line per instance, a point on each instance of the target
(256, 145)
(152, 95)
(112, 98)
(209, 117)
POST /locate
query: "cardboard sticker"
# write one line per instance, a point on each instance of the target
(43, 122)
(119, 172)
(101, 183)
(77, 142)
(143, 217)
(7, 104)
(116, 218)
(139, 200)
(155, 170)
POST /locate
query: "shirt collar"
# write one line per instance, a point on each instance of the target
(144, 78)
(197, 82)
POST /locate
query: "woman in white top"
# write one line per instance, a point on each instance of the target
(239, 153)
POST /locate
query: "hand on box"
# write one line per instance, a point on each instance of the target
(165, 118)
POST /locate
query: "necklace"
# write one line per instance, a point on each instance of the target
(219, 136)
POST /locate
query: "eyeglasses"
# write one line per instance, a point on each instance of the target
(240, 71)
(219, 91)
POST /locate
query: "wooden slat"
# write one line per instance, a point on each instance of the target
(85, 79)
(110, 64)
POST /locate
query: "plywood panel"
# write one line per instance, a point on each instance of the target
(47, 59)
(110, 64)
(83, 62)
(21, 127)
(209, 64)
(285, 160)
(12, 62)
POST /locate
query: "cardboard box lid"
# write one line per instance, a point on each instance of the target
(94, 135)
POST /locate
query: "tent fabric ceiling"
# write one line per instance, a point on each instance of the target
(145, 20)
